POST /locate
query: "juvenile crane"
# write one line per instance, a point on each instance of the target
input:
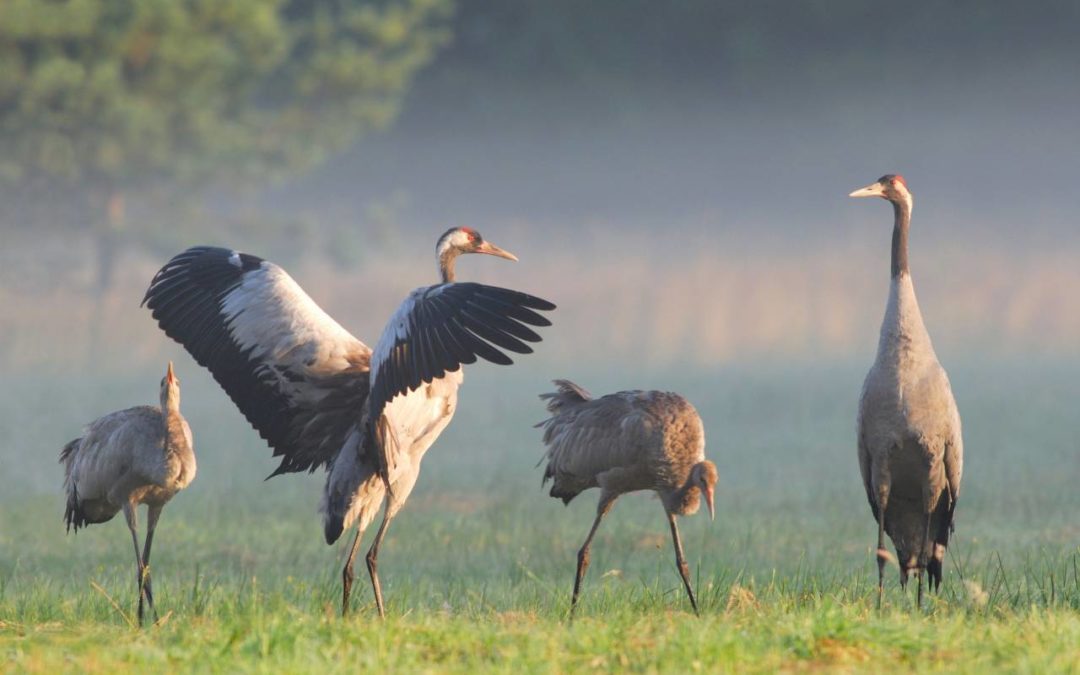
(624, 442)
(911, 453)
(321, 397)
(141, 455)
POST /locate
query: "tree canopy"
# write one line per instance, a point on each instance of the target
(100, 97)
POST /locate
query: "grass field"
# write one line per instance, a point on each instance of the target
(478, 567)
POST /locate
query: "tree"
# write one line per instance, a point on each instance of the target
(104, 99)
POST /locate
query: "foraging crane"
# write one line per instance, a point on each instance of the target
(911, 453)
(142, 455)
(321, 397)
(624, 442)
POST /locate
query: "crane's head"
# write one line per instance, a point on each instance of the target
(170, 390)
(458, 240)
(704, 477)
(467, 240)
(891, 186)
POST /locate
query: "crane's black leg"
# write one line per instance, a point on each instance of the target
(882, 552)
(583, 555)
(919, 580)
(347, 573)
(152, 515)
(680, 561)
(934, 566)
(372, 562)
(924, 558)
(133, 523)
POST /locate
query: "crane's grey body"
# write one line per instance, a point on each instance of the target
(135, 456)
(141, 455)
(354, 489)
(626, 442)
(909, 433)
(320, 396)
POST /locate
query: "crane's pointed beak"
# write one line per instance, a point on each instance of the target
(491, 249)
(170, 376)
(709, 501)
(872, 190)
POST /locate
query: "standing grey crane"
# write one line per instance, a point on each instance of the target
(141, 455)
(911, 453)
(321, 397)
(624, 442)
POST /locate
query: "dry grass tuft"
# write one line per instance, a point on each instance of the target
(741, 599)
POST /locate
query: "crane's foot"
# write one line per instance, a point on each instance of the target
(142, 581)
(148, 590)
(883, 556)
(684, 572)
(582, 566)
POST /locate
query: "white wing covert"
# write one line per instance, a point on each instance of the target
(298, 377)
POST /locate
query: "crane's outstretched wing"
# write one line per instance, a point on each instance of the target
(436, 330)
(297, 376)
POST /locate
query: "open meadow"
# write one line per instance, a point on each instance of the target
(478, 567)
(676, 179)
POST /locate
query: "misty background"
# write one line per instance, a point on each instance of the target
(673, 175)
(684, 167)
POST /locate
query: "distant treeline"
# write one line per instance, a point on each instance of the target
(620, 46)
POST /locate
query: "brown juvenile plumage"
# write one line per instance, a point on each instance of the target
(141, 455)
(624, 442)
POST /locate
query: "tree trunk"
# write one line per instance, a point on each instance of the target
(109, 239)
(108, 236)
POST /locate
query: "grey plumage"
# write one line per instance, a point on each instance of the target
(141, 455)
(625, 442)
(909, 433)
(320, 396)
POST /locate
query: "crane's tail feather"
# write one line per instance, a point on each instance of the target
(360, 507)
(565, 398)
(68, 451)
(339, 512)
(74, 516)
(354, 491)
(935, 565)
(567, 395)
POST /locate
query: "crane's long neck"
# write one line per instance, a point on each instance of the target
(904, 340)
(447, 258)
(171, 418)
(901, 224)
(686, 499)
(170, 401)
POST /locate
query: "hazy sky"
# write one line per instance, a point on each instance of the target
(756, 114)
(641, 154)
